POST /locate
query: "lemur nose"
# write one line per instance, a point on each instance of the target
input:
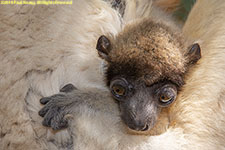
(145, 128)
(139, 128)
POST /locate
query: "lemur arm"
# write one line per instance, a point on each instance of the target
(60, 107)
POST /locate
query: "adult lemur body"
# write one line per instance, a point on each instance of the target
(196, 119)
(42, 48)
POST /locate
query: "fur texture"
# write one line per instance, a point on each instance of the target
(38, 58)
(42, 48)
(169, 6)
(37, 43)
(200, 110)
(196, 118)
(150, 50)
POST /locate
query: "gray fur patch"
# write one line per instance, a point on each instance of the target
(118, 5)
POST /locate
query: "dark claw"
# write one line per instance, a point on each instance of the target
(68, 88)
(44, 100)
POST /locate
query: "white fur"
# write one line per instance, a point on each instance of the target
(197, 117)
(43, 48)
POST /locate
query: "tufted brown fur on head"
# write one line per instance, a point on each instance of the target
(147, 50)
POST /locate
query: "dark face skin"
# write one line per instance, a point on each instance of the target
(141, 104)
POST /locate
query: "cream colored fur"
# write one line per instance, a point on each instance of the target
(200, 110)
(43, 49)
(197, 117)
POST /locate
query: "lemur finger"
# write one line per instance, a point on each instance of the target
(45, 100)
(43, 111)
(68, 88)
(49, 116)
(58, 122)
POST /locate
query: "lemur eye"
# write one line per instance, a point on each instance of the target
(167, 95)
(119, 88)
(165, 98)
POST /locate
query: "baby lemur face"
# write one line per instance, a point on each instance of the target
(146, 67)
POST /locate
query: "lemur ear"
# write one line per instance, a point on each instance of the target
(193, 54)
(103, 47)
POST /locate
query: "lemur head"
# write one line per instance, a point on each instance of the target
(145, 70)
